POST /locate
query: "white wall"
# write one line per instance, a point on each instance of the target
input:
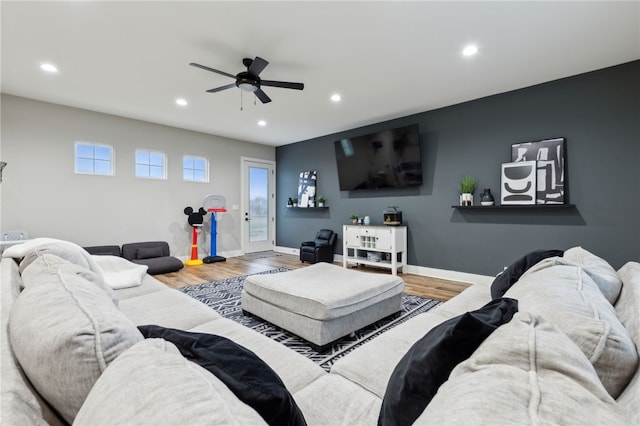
(42, 194)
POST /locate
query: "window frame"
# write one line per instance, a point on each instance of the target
(94, 145)
(149, 165)
(205, 171)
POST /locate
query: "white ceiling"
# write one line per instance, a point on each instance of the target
(386, 59)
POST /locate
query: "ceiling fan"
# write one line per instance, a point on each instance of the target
(249, 80)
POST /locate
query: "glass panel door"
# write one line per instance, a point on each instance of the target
(258, 205)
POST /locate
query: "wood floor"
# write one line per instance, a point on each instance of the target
(431, 288)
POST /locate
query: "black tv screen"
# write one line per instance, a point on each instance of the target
(389, 158)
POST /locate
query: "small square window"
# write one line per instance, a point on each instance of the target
(151, 164)
(93, 159)
(195, 169)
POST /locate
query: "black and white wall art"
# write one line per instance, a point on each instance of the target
(549, 155)
(518, 184)
(307, 189)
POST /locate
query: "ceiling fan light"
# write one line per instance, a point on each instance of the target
(247, 87)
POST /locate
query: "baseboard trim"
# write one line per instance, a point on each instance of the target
(424, 271)
(446, 274)
(232, 253)
(287, 250)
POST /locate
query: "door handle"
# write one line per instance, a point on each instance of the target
(247, 219)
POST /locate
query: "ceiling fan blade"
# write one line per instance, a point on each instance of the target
(283, 84)
(257, 66)
(218, 89)
(193, 64)
(262, 96)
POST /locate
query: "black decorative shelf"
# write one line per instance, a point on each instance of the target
(518, 207)
(308, 208)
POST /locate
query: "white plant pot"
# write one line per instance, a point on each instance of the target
(466, 199)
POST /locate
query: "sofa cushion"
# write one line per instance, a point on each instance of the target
(108, 250)
(526, 372)
(505, 279)
(64, 334)
(168, 308)
(160, 265)
(20, 404)
(429, 361)
(130, 250)
(370, 366)
(568, 297)
(153, 384)
(333, 400)
(148, 252)
(242, 371)
(627, 310)
(600, 271)
(43, 267)
(295, 370)
(66, 250)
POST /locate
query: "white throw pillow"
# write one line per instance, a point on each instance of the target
(64, 334)
(526, 373)
(568, 297)
(153, 384)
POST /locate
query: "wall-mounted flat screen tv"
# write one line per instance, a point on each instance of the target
(389, 158)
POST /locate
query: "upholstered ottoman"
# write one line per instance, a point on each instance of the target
(322, 302)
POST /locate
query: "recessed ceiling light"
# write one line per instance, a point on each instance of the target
(262, 123)
(470, 50)
(49, 67)
(336, 97)
(181, 102)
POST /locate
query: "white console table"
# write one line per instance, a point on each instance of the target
(389, 243)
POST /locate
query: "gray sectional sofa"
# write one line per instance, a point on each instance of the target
(71, 352)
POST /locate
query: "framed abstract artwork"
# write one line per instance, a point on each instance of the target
(549, 155)
(307, 189)
(518, 183)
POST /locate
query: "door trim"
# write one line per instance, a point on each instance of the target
(244, 196)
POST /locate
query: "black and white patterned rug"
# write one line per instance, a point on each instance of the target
(223, 296)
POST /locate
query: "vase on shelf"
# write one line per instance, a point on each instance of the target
(289, 202)
(486, 199)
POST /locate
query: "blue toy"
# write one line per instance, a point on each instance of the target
(214, 204)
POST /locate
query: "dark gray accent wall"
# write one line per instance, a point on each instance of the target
(599, 115)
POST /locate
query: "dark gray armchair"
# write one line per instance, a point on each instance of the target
(321, 249)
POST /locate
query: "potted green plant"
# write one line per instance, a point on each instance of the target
(354, 219)
(321, 199)
(467, 187)
(295, 201)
